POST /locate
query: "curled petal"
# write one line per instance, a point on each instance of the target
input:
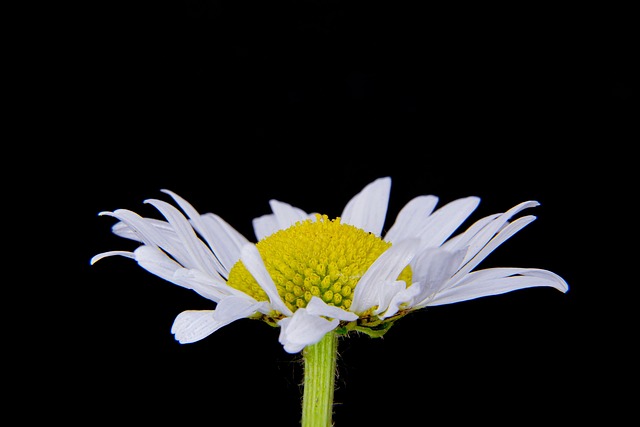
(193, 325)
(388, 293)
(405, 296)
(303, 329)
(319, 308)
(383, 271)
(102, 255)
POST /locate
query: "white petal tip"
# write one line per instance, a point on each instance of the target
(181, 340)
(98, 257)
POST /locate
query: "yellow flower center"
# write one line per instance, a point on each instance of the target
(322, 258)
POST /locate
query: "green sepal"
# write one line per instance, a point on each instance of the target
(374, 332)
(344, 330)
(341, 330)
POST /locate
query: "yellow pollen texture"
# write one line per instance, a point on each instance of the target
(322, 258)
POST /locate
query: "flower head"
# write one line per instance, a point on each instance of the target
(309, 274)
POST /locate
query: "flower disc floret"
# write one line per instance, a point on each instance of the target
(323, 258)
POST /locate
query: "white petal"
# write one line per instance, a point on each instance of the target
(444, 221)
(234, 308)
(483, 235)
(98, 257)
(152, 233)
(199, 254)
(504, 234)
(157, 262)
(205, 231)
(405, 296)
(303, 329)
(434, 267)
(227, 240)
(205, 285)
(413, 216)
(384, 270)
(193, 325)
(264, 226)
(461, 240)
(368, 209)
(496, 281)
(286, 215)
(500, 272)
(319, 308)
(141, 227)
(252, 260)
(122, 229)
(388, 292)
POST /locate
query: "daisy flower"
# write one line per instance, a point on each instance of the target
(310, 275)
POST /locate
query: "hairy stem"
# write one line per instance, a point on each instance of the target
(319, 381)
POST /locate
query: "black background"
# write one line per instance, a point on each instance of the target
(233, 103)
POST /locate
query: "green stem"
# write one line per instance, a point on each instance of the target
(319, 381)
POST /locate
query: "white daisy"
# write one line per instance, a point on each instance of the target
(309, 275)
